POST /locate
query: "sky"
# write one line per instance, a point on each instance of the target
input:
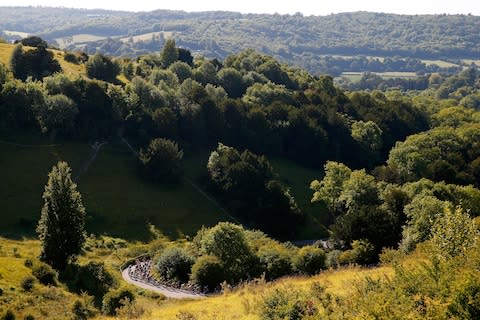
(307, 7)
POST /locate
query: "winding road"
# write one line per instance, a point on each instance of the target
(168, 292)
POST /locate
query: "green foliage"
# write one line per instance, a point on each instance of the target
(330, 187)
(45, 274)
(248, 183)
(70, 57)
(174, 264)
(169, 53)
(281, 304)
(421, 213)
(310, 260)
(208, 272)
(36, 63)
(28, 283)
(276, 261)
(466, 299)
(8, 315)
(115, 299)
(441, 153)
(58, 114)
(368, 134)
(227, 242)
(3, 75)
(362, 252)
(83, 308)
(61, 227)
(92, 278)
(161, 161)
(181, 70)
(101, 67)
(454, 233)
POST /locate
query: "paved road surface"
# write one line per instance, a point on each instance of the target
(166, 291)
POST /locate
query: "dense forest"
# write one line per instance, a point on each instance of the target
(296, 39)
(400, 182)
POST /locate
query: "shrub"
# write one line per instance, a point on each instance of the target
(174, 264)
(29, 317)
(70, 57)
(28, 263)
(310, 260)
(283, 304)
(45, 274)
(27, 283)
(115, 299)
(208, 272)
(362, 252)
(83, 309)
(227, 242)
(276, 263)
(332, 259)
(8, 315)
(91, 278)
(161, 161)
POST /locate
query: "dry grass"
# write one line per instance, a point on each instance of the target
(244, 303)
(440, 63)
(67, 67)
(55, 302)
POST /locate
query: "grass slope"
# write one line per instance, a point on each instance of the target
(243, 303)
(67, 67)
(118, 202)
(46, 302)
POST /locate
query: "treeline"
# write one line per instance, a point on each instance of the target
(335, 65)
(201, 103)
(294, 38)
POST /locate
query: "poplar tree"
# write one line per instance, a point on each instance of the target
(61, 227)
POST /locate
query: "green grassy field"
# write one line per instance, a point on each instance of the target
(118, 201)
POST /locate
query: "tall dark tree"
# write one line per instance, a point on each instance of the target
(102, 67)
(161, 161)
(169, 53)
(61, 227)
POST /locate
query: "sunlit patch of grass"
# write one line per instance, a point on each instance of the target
(67, 67)
(243, 303)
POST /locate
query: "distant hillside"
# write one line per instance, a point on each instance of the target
(293, 38)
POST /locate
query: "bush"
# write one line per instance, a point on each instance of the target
(28, 263)
(362, 252)
(8, 315)
(45, 274)
(208, 272)
(275, 262)
(27, 283)
(333, 259)
(91, 278)
(70, 57)
(102, 68)
(227, 241)
(310, 260)
(29, 317)
(174, 264)
(83, 309)
(283, 304)
(161, 161)
(115, 299)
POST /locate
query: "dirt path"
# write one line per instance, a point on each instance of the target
(168, 292)
(96, 148)
(29, 145)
